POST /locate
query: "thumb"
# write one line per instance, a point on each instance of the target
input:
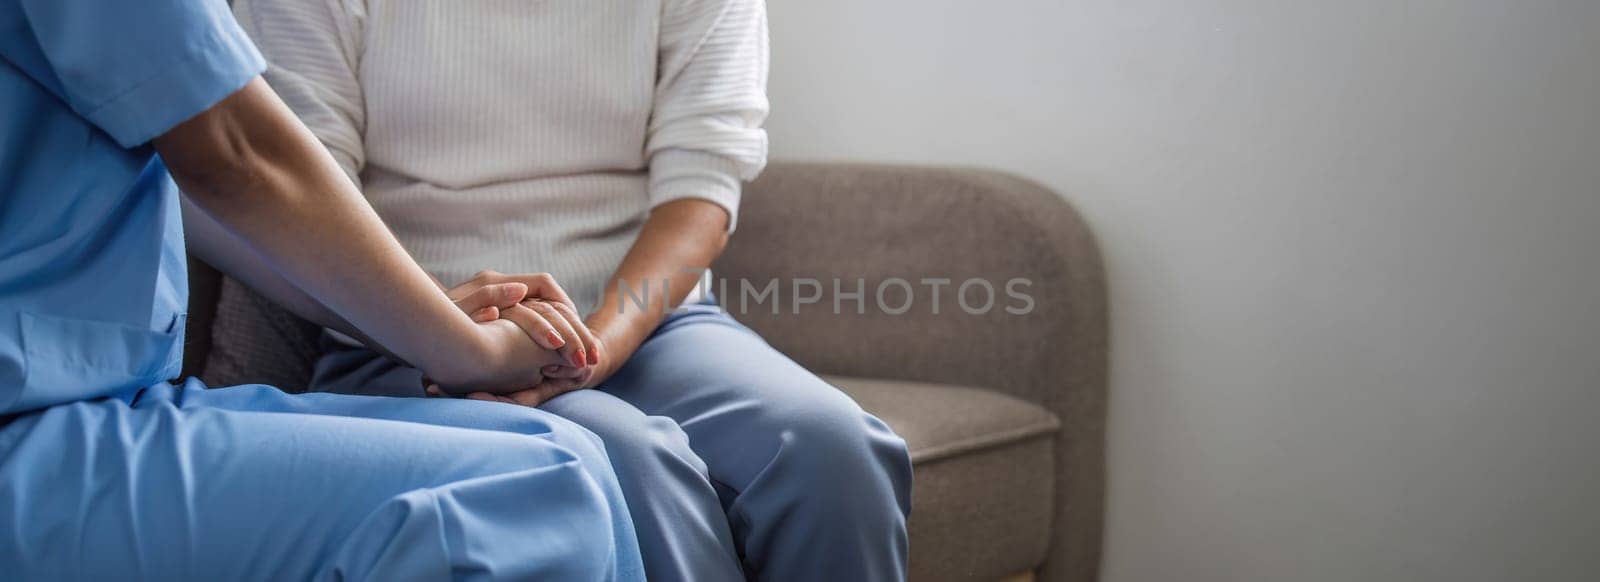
(486, 314)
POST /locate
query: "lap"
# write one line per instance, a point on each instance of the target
(604, 414)
(735, 396)
(239, 483)
(697, 360)
(704, 362)
(738, 398)
(448, 412)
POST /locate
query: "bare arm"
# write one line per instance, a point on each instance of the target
(678, 242)
(220, 248)
(232, 255)
(704, 138)
(248, 164)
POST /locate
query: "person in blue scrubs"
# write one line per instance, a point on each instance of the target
(108, 471)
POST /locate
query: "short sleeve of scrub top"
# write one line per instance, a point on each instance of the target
(93, 287)
(135, 69)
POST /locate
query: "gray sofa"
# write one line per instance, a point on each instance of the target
(1004, 413)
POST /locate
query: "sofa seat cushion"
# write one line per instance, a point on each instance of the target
(981, 503)
(254, 341)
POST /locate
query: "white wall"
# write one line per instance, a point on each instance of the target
(1354, 249)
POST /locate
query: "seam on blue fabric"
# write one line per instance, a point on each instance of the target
(189, 55)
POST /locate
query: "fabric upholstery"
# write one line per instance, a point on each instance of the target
(849, 221)
(983, 487)
(241, 351)
(205, 283)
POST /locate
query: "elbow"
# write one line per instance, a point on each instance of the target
(233, 150)
(719, 241)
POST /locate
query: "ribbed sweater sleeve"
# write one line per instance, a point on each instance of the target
(705, 135)
(313, 51)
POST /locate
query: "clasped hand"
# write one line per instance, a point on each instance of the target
(540, 308)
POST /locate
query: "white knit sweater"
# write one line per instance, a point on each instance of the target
(525, 135)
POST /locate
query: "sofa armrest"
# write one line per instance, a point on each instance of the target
(844, 222)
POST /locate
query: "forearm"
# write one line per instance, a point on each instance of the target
(252, 168)
(676, 245)
(212, 243)
(218, 247)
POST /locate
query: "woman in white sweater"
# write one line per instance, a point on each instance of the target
(604, 143)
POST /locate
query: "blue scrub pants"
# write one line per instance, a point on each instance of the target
(249, 483)
(735, 461)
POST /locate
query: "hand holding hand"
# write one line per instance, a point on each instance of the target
(543, 312)
(560, 379)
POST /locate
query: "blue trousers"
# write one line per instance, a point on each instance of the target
(249, 483)
(735, 461)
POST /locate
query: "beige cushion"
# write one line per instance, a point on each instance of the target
(984, 475)
(864, 221)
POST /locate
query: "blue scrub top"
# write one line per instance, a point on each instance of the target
(93, 288)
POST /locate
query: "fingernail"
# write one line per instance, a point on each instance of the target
(594, 356)
(555, 339)
(579, 358)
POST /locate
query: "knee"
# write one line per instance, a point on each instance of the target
(575, 437)
(578, 500)
(640, 443)
(828, 434)
(481, 525)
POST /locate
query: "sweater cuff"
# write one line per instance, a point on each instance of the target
(676, 174)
